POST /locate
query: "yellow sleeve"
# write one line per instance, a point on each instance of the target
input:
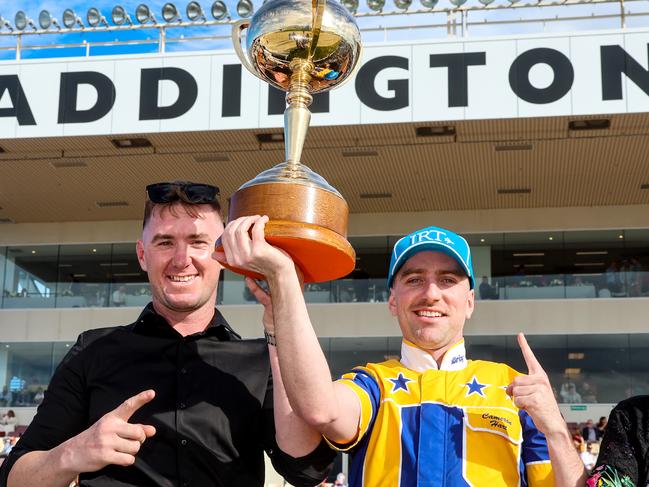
(365, 386)
(539, 474)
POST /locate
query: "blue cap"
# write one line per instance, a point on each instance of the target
(436, 240)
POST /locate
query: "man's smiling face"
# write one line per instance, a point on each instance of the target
(432, 298)
(176, 252)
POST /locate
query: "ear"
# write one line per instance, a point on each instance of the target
(392, 303)
(470, 303)
(139, 249)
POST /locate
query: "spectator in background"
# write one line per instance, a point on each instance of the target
(486, 291)
(39, 396)
(119, 296)
(601, 426)
(6, 446)
(569, 393)
(361, 285)
(633, 277)
(340, 481)
(74, 287)
(519, 275)
(16, 386)
(589, 432)
(5, 396)
(613, 283)
(8, 422)
(588, 393)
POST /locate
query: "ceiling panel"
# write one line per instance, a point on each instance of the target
(464, 171)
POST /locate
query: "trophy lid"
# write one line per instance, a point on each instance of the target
(288, 173)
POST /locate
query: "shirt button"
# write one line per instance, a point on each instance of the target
(182, 405)
(183, 370)
(183, 442)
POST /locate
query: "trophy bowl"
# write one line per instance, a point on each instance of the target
(301, 47)
(282, 31)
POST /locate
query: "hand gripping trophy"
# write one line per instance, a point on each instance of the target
(301, 47)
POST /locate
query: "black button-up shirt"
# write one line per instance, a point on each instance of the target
(213, 409)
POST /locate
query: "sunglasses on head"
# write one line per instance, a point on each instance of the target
(191, 192)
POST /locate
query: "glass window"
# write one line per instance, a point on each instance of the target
(638, 365)
(636, 250)
(372, 256)
(318, 292)
(325, 345)
(598, 365)
(531, 265)
(83, 275)
(593, 259)
(366, 283)
(59, 350)
(5, 291)
(235, 290)
(347, 353)
(394, 347)
(492, 348)
(31, 276)
(482, 250)
(129, 285)
(582, 368)
(25, 371)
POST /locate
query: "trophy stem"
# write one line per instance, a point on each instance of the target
(297, 114)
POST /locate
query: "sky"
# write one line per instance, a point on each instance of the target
(32, 8)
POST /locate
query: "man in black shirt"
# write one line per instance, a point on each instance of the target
(176, 398)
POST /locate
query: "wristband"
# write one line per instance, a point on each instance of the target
(270, 338)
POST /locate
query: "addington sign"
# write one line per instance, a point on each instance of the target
(576, 74)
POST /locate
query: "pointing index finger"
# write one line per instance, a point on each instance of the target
(533, 365)
(132, 404)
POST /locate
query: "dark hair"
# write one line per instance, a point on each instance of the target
(172, 207)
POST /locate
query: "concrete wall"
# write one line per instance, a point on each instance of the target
(571, 316)
(473, 221)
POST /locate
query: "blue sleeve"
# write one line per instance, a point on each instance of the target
(366, 387)
(535, 446)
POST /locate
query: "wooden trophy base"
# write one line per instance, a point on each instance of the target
(308, 223)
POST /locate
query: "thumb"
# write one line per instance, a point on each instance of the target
(220, 256)
(127, 408)
(262, 296)
(149, 430)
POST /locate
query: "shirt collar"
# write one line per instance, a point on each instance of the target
(420, 360)
(152, 324)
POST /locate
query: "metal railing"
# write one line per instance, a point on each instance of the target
(215, 34)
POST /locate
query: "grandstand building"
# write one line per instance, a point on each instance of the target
(527, 135)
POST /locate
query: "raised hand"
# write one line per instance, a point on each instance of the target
(533, 393)
(245, 247)
(112, 440)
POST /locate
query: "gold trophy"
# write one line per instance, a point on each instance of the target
(301, 47)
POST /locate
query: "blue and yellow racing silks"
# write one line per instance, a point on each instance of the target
(449, 427)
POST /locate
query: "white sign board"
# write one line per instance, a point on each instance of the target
(531, 76)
